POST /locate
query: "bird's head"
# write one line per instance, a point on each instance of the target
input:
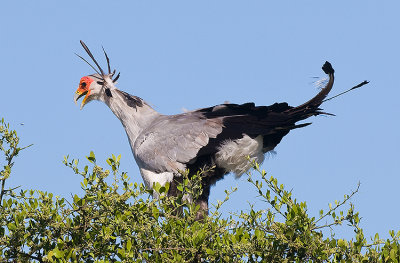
(96, 86)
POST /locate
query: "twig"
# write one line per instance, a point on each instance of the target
(336, 207)
(3, 183)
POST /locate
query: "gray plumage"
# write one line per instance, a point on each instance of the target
(170, 142)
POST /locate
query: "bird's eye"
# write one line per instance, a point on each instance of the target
(83, 85)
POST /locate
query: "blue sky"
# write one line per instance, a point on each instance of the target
(187, 54)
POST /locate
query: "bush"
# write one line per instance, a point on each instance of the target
(117, 221)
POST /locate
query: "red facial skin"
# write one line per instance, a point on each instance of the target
(84, 85)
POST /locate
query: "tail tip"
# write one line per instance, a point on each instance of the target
(327, 68)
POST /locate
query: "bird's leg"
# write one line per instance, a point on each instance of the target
(173, 191)
(203, 211)
(203, 202)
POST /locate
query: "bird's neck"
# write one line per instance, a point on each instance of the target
(134, 113)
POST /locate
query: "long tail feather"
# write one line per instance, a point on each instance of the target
(311, 107)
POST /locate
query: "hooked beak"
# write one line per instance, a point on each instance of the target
(79, 94)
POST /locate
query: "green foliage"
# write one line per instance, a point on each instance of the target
(115, 220)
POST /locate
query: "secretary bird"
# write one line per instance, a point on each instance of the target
(218, 139)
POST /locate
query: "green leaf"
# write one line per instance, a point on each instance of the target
(128, 245)
(258, 233)
(393, 255)
(155, 212)
(342, 243)
(210, 251)
(57, 253)
(11, 226)
(91, 157)
(157, 186)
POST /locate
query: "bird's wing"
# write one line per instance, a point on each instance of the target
(173, 141)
